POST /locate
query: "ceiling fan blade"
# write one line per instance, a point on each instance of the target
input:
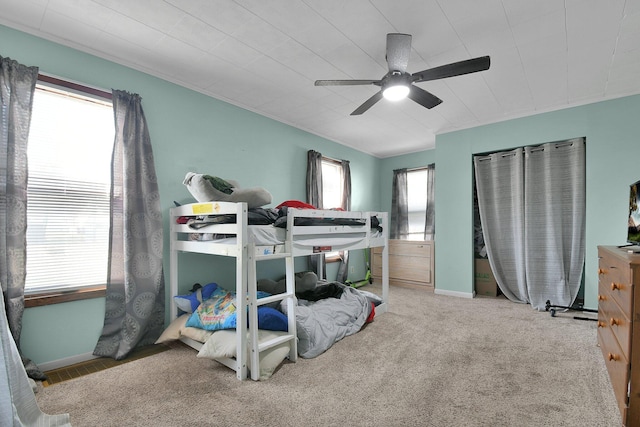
(423, 97)
(367, 104)
(346, 82)
(398, 51)
(453, 69)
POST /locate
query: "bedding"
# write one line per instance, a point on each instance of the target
(207, 188)
(219, 312)
(321, 323)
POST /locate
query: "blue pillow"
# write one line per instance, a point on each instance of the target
(219, 312)
(189, 303)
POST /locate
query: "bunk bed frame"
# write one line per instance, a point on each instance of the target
(300, 240)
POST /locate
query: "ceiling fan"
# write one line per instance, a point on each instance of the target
(398, 84)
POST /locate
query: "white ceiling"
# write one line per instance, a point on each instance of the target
(264, 55)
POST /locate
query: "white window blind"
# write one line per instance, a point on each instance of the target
(69, 156)
(417, 202)
(332, 184)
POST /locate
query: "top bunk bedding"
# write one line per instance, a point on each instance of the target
(305, 231)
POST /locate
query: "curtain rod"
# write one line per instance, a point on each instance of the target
(558, 144)
(75, 86)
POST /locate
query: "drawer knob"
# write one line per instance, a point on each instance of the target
(614, 322)
(613, 357)
(602, 297)
(601, 324)
(615, 286)
(602, 271)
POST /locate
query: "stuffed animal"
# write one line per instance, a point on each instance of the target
(207, 188)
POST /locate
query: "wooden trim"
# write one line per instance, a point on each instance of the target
(75, 86)
(57, 297)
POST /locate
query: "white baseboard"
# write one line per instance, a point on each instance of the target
(60, 363)
(453, 293)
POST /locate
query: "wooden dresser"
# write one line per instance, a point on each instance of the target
(619, 326)
(411, 263)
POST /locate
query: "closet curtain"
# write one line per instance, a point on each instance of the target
(532, 209)
(134, 314)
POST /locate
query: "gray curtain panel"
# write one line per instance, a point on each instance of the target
(18, 405)
(430, 210)
(314, 178)
(555, 218)
(399, 206)
(343, 270)
(134, 314)
(346, 185)
(500, 186)
(314, 197)
(17, 86)
(532, 209)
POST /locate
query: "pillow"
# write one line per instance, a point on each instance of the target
(219, 312)
(189, 303)
(178, 328)
(172, 332)
(223, 344)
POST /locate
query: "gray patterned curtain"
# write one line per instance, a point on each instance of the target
(399, 206)
(17, 86)
(343, 270)
(430, 211)
(18, 405)
(134, 314)
(314, 197)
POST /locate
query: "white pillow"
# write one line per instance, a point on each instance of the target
(223, 344)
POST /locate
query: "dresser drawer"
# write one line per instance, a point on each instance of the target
(617, 366)
(409, 248)
(408, 268)
(615, 280)
(614, 321)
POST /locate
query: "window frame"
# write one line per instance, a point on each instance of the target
(56, 296)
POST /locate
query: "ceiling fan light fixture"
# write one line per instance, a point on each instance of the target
(396, 92)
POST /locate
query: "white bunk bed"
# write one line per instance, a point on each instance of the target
(242, 242)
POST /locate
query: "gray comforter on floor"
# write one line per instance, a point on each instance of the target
(322, 323)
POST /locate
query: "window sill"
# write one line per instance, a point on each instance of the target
(57, 297)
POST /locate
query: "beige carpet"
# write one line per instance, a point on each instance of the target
(431, 361)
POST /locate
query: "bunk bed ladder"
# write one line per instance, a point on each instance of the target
(289, 296)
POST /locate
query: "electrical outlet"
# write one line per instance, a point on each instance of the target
(352, 270)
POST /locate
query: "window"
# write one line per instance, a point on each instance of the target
(69, 156)
(332, 184)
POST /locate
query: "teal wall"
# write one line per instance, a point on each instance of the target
(612, 131)
(189, 132)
